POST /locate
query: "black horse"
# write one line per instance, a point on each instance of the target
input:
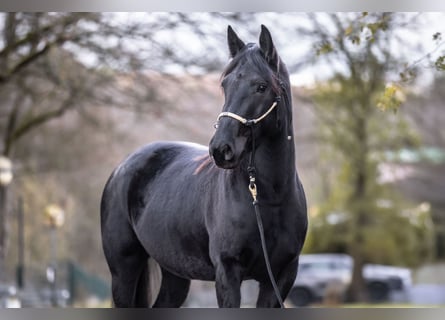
(189, 208)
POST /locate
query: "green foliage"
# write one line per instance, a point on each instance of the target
(440, 63)
(323, 48)
(392, 98)
(359, 213)
(366, 27)
(395, 232)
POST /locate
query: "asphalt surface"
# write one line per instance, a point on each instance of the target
(427, 294)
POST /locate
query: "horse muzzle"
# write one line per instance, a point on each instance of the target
(224, 156)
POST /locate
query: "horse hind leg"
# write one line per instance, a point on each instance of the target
(173, 291)
(130, 281)
(138, 282)
(127, 261)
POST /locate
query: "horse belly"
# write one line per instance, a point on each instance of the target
(188, 267)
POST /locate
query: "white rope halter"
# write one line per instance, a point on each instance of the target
(244, 120)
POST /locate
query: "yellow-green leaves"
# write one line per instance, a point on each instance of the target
(392, 97)
(323, 48)
(363, 28)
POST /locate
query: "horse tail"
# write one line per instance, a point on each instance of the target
(154, 278)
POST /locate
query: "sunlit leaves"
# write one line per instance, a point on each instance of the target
(377, 26)
(349, 30)
(392, 97)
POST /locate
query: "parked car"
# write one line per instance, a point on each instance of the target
(322, 274)
(8, 297)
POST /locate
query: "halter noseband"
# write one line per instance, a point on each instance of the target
(247, 122)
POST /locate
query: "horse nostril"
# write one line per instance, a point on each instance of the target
(226, 150)
(223, 155)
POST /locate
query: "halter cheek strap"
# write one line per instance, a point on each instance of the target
(245, 121)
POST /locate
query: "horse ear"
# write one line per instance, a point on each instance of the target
(268, 48)
(235, 43)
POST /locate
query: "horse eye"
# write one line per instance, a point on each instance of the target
(261, 88)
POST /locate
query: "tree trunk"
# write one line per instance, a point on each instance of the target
(358, 203)
(3, 207)
(357, 290)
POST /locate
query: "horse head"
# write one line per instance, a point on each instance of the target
(252, 82)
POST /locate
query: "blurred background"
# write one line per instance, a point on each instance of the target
(80, 91)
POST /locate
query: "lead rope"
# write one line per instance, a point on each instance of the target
(253, 190)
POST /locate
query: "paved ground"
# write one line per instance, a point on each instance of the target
(419, 294)
(427, 294)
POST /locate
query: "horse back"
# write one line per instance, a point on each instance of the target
(130, 181)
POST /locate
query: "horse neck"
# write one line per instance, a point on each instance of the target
(275, 157)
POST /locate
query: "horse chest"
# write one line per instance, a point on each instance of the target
(239, 237)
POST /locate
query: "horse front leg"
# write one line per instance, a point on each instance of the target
(228, 282)
(285, 280)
